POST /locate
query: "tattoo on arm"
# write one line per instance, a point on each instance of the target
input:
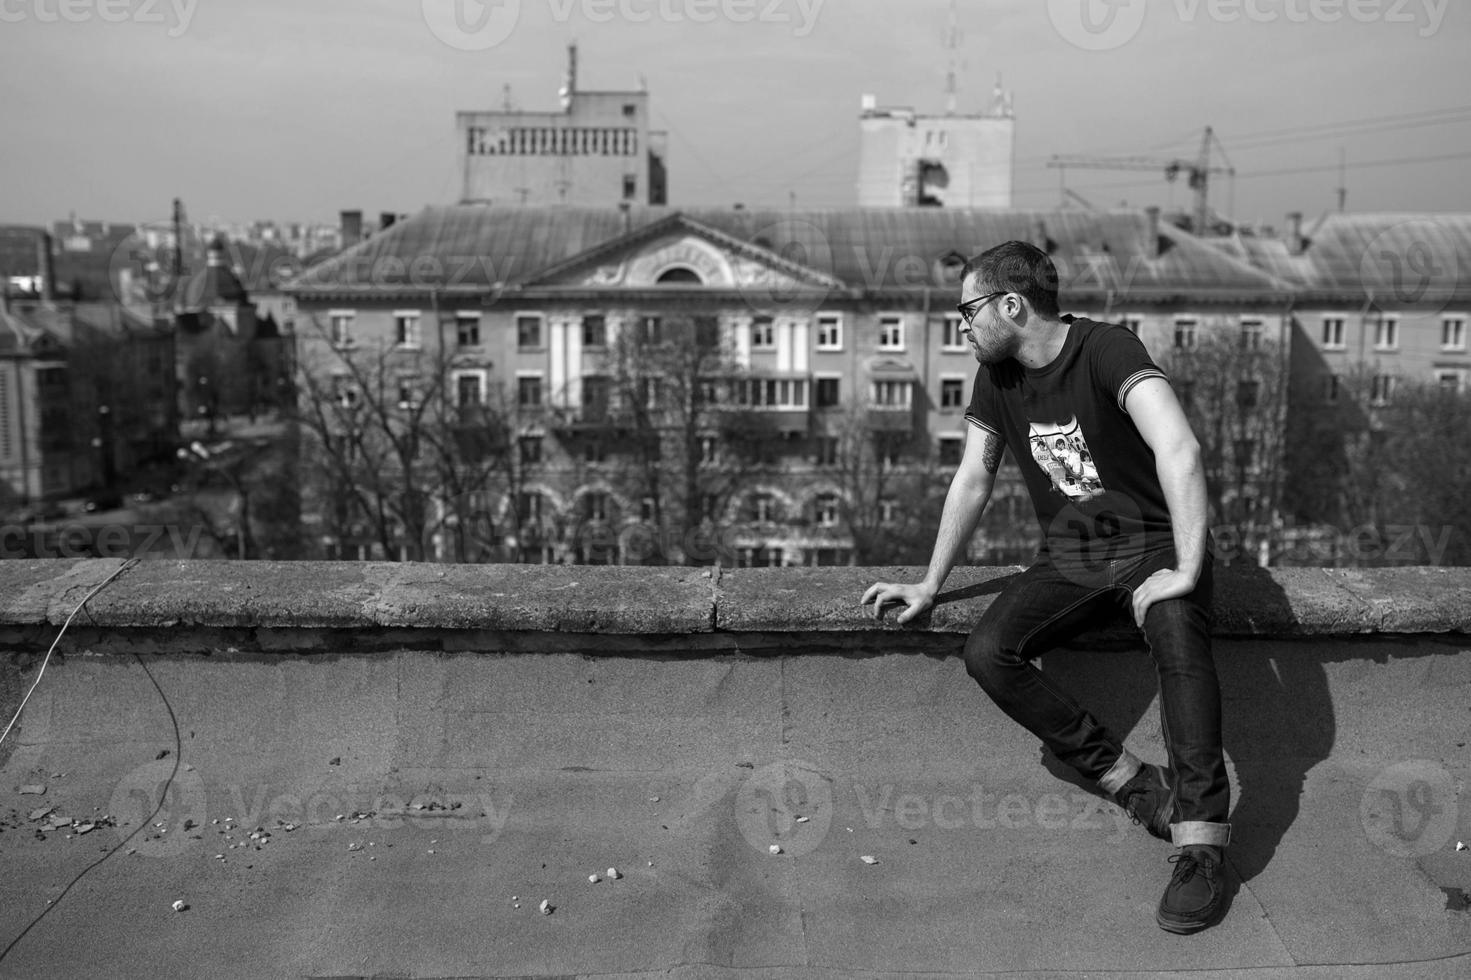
(991, 453)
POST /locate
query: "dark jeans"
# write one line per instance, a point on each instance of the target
(1048, 604)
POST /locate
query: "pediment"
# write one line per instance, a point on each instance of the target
(680, 253)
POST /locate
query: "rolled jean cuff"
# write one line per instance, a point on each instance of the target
(1200, 832)
(1120, 772)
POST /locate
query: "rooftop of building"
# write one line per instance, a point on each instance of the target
(870, 249)
(384, 770)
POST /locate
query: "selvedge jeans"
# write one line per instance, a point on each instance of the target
(1048, 604)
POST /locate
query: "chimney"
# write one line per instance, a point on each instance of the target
(352, 228)
(46, 266)
(1151, 232)
(1295, 242)
(386, 220)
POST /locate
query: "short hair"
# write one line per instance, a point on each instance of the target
(1017, 267)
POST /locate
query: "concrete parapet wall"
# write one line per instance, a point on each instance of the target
(281, 606)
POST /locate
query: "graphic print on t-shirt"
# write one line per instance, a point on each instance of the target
(1062, 452)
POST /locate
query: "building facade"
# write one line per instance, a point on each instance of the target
(597, 149)
(909, 159)
(840, 339)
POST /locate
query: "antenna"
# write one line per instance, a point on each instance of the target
(507, 103)
(952, 46)
(1342, 179)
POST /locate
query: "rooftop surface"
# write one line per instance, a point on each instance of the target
(427, 753)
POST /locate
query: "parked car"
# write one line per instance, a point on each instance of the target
(111, 500)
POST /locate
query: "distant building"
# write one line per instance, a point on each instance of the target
(86, 398)
(597, 149)
(838, 320)
(229, 359)
(907, 159)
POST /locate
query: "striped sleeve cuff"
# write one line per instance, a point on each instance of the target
(982, 425)
(1143, 374)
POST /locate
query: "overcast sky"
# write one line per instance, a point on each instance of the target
(296, 109)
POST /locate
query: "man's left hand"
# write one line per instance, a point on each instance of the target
(1167, 583)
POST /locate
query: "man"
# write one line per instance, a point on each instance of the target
(1128, 530)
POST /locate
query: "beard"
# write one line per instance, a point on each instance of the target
(991, 349)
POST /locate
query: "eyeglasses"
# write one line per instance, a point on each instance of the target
(969, 310)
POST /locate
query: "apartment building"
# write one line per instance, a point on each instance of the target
(87, 397)
(831, 319)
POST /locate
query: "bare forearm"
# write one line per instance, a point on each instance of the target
(964, 505)
(1182, 479)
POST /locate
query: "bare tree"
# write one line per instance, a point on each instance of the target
(893, 490)
(394, 454)
(672, 390)
(1234, 392)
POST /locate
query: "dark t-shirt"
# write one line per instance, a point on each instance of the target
(1090, 473)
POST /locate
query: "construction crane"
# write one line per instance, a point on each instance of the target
(1198, 172)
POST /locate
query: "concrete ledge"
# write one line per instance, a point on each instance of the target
(288, 605)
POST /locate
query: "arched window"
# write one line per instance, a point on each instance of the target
(680, 276)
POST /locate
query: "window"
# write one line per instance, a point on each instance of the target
(1381, 388)
(630, 186)
(408, 390)
(891, 333)
(1453, 333)
(629, 109)
(888, 511)
(1332, 385)
(597, 397)
(952, 393)
(341, 321)
(1386, 333)
(1452, 381)
(1333, 333)
(406, 329)
(819, 557)
(826, 451)
(528, 332)
(468, 389)
(951, 449)
(953, 339)
(528, 505)
(593, 451)
(763, 333)
(1133, 322)
(1184, 333)
(828, 392)
(594, 330)
(888, 452)
(774, 393)
(650, 330)
(1185, 391)
(891, 394)
(709, 450)
(1251, 335)
(344, 391)
(650, 392)
(759, 557)
(528, 392)
(530, 450)
(763, 508)
(467, 329)
(595, 505)
(1247, 393)
(829, 332)
(825, 510)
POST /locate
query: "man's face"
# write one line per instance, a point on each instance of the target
(992, 339)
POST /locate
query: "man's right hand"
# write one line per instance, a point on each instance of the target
(915, 598)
